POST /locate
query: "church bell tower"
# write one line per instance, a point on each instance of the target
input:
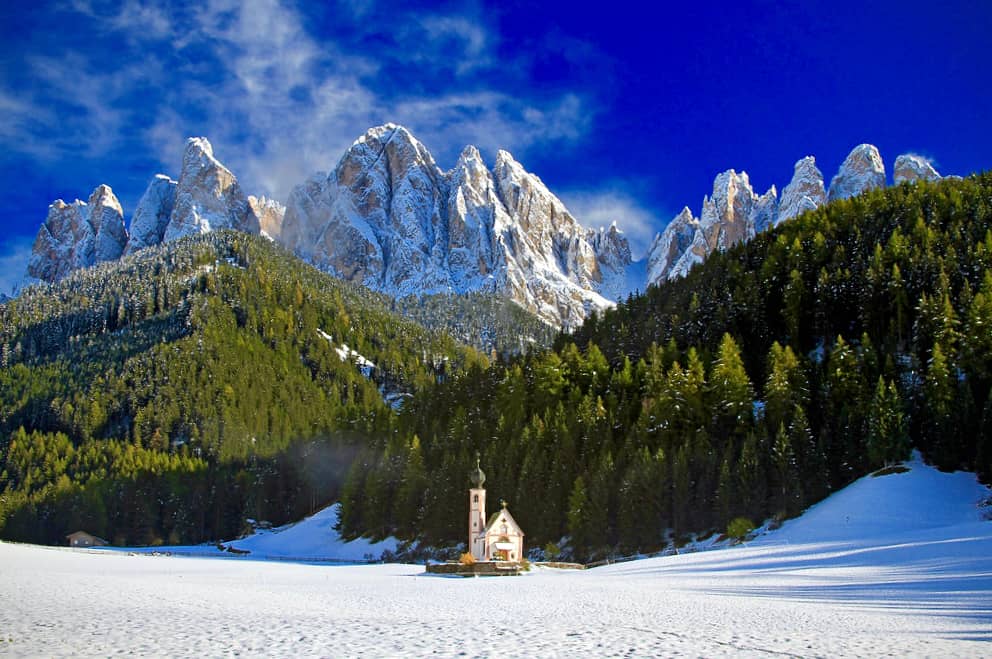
(477, 512)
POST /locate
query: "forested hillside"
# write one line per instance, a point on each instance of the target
(771, 375)
(172, 395)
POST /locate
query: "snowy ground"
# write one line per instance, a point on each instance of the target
(312, 540)
(899, 565)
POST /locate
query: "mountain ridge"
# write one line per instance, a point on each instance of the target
(389, 218)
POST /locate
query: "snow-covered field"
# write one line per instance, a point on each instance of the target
(899, 565)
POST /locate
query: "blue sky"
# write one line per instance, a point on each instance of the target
(626, 111)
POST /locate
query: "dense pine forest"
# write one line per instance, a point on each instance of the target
(173, 395)
(770, 376)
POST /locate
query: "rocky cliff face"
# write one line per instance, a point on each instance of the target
(731, 215)
(153, 213)
(270, 214)
(804, 192)
(208, 196)
(911, 168)
(78, 235)
(388, 217)
(862, 170)
(669, 245)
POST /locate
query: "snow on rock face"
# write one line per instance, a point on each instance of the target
(107, 221)
(270, 214)
(473, 213)
(552, 269)
(764, 212)
(390, 219)
(208, 196)
(669, 245)
(911, 168)
(730, 216)
(153, 213)
(613, 258)
(862, 170)
(78, 235)
(804, 192)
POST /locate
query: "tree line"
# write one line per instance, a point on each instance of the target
(770, 376)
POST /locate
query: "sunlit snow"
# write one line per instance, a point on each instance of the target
(898, 565)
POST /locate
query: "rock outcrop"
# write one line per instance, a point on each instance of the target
(270, 214)
(152, 215)
(911, 168)
(669, 245)
(208, 196)
(78, 235)
(388, 217)
(804, 192)
(764, 213)
(862, 170)
(731, 215)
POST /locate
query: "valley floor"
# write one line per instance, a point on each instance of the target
(894, 566)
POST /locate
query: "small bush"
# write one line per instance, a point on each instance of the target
(524, 565)
(467, 559)
(552, 552)
(739, 527)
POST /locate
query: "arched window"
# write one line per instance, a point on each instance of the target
(475, 499)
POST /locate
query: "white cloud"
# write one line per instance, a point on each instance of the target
(276, 102)
(14, 255)
(600, 208)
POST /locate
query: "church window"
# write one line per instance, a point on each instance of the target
(475, 499)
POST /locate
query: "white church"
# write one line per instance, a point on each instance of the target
(497, 539)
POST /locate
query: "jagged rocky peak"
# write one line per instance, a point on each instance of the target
(389, 218)
(910, 167)
(804, 192)
(152, 215)
(862, 170)
(764, 212)
(270, 214)
(388, 209)
(208, 196)
(724, 220)
(107, 219)
(474, 213)
(669, 245)
(78, 235)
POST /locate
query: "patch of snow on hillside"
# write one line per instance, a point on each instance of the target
(366, 366)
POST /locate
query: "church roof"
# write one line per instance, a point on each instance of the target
(498, 517)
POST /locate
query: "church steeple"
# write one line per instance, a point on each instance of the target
(477, 511)
(477, 477)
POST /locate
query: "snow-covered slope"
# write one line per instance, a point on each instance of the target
(899, 565)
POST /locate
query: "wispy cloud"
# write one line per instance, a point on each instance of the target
(277, 100)
(14, 255)
(600, 208)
